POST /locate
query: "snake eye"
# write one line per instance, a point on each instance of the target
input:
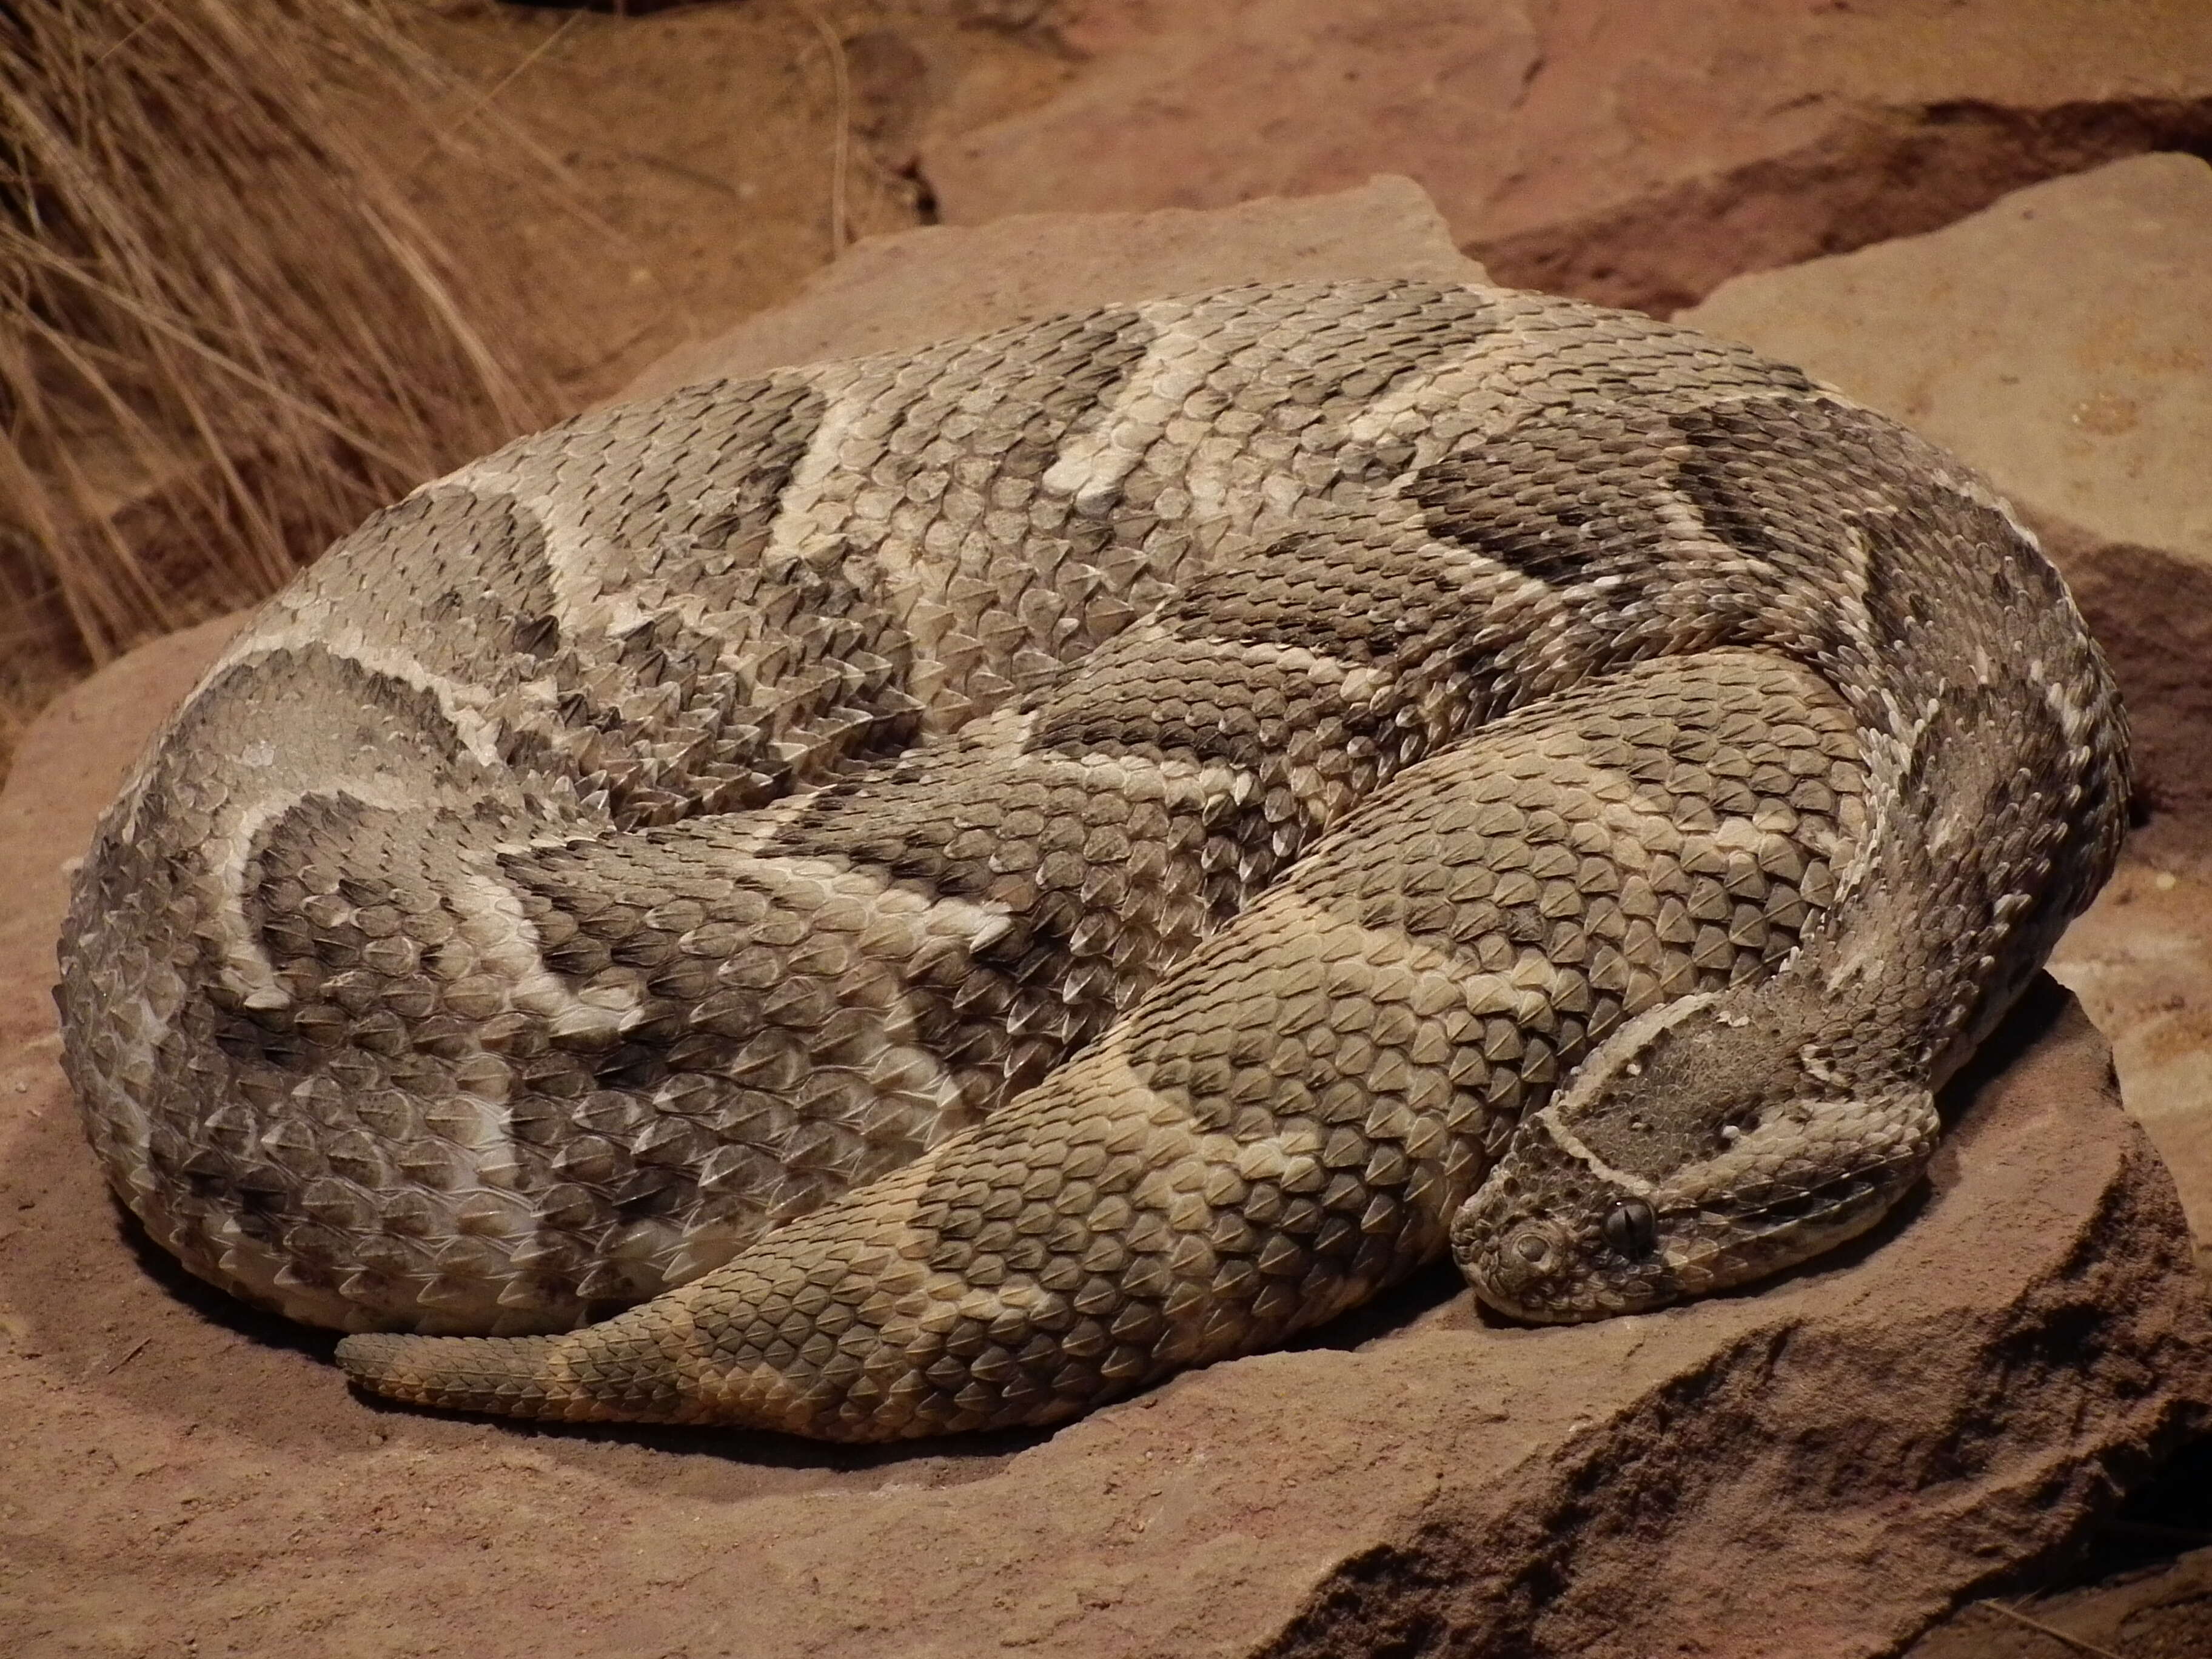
(1631, 1227)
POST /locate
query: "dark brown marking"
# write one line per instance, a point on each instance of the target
(1549, 500)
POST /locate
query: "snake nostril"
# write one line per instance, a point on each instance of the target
(1631, 1227)
(1531, 1248)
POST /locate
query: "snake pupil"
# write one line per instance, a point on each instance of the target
(1631, 1227)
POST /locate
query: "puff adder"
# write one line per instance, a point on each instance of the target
(961, 882)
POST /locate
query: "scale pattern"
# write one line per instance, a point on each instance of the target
(965, 881)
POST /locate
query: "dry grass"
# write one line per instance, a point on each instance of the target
(229, 333)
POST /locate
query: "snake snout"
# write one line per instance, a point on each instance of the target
(1556, 1250)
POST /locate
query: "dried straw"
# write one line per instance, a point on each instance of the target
(229, 332)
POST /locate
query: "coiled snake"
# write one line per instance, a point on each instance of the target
(967, 880)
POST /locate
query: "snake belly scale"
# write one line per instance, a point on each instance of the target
(961, 882)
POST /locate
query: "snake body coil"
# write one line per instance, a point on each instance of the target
(967, 880)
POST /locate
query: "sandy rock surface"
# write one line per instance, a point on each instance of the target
(2163, 1615)
(1822, 1467)
(1636, 154)
(2060, 342)
(910, 288)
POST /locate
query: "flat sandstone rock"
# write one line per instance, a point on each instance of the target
(1819, 1468)
(914, 286)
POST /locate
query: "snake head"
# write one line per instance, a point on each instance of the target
(1708, 1144)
